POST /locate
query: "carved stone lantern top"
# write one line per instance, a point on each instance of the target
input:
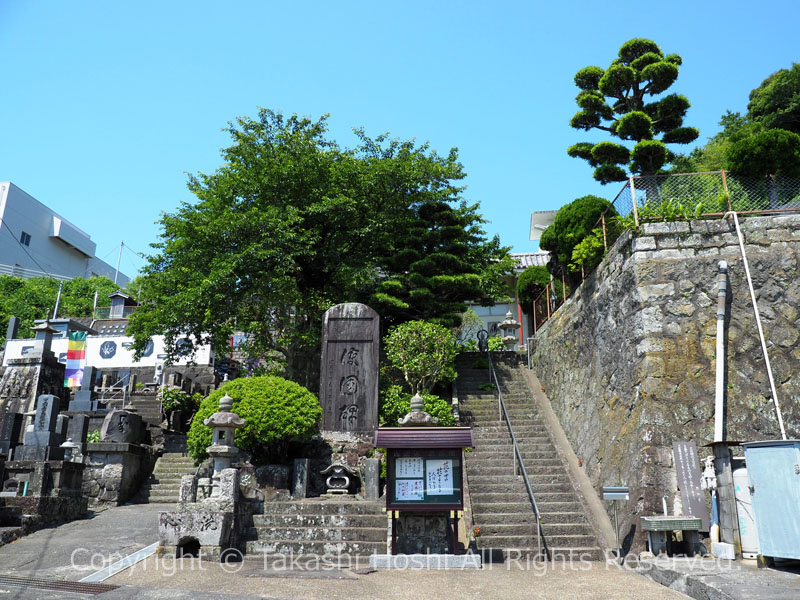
(224, 417)
(418, 416)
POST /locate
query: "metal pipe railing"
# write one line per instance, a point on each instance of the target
(517, 457)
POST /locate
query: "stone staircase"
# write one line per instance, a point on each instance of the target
(165, 482)
(500, 503)
(339, 528)
(148, 406)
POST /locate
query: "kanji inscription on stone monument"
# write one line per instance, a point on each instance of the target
(349, 373)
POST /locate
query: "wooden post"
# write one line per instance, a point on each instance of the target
(727, 191)
(547, 290)
(603, 219)
(633, 197)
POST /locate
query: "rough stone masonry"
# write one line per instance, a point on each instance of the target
(628, 361)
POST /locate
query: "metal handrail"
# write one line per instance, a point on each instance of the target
(517, 457)
(116, 390)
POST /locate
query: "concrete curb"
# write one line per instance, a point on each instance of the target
(716, 579)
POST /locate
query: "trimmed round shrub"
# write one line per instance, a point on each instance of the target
(277, 412)
(531, 283)
(396, 404)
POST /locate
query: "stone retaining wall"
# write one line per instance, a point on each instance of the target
(628, 361)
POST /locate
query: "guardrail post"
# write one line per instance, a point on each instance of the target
(727, 191)
(633, 198)
(603, 219)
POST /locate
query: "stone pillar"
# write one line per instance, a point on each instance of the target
(300, 478)
(728, 517)
(13, 329)
(372, 479)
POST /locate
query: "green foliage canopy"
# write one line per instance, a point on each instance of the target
(616, 100)
(532, 282)
(776, 102)
(423, 352)
(770, 152)
(277, 412)
(292, 224)
(442, 261)
(31, 299)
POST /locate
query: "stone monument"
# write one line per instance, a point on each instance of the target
(44, 441)
(210, 528)
(121, 427)
(85, 398)
(349, 370)
(37, 373)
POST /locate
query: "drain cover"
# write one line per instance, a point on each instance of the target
(60, 586)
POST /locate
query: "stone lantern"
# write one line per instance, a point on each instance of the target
(509, 327)
(224, 424)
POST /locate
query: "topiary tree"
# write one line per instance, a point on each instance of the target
(615, 100)
(574, 222)
(423, 352)
(396, 404)
(277, 412)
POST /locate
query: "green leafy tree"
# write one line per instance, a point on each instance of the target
(277, 412)
(31, 299)
(292, 224)
(776, 102)
(625, 101)
(423, 352)
(771, 152)
(574, 222)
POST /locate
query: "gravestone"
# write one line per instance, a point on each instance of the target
(687, 468)
(10, 428)
(85, 397)
(78, 428)
(121, 427)
(42, 443)
(349, 370)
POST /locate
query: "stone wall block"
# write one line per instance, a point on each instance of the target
(720, 226)
(665, 242)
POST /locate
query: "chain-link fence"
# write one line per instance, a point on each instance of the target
(714, 193)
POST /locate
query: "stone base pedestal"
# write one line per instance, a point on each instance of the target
(114, 472)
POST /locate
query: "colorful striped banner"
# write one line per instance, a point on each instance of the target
(76, 359)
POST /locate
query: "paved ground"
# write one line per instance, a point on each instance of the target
(71, 552)
(584, 580)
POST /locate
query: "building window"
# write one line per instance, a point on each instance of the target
(25, 238)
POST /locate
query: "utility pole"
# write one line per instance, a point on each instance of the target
(119, 258)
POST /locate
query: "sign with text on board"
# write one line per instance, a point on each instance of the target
(349, 369)
(424, 479)
(687, 468)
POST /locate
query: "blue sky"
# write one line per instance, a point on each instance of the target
(105, 106)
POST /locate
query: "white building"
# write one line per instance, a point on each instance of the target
(37, 242)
